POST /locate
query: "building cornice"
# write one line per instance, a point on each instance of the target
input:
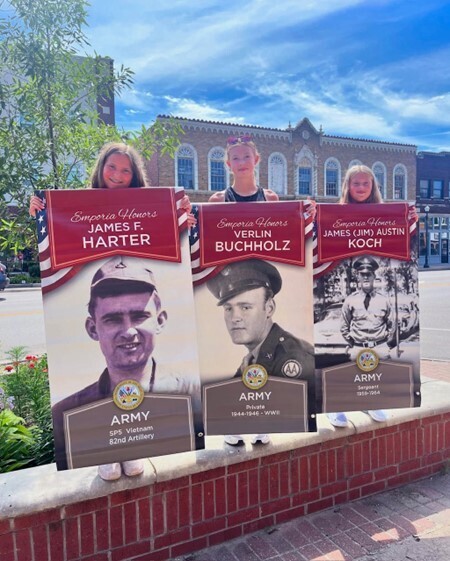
(368, 144)
(229, 128)
(200, 125)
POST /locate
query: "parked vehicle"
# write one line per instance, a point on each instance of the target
(330, 346)
(408, 315)
(4, 280)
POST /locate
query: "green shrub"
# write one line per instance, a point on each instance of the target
(16, 442)
(27, 383)
(17, 279)
(34, 270)
(24, 278)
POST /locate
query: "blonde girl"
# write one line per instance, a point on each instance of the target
(242, 157)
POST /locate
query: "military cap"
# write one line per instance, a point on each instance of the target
(241, 276)
(365, 264)
(120, 270)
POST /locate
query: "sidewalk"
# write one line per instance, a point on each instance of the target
(436, 267)
(435, 369)
(411, 523)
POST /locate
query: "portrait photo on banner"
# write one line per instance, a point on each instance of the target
(76, 359)
(221, 347)
(396, 309)
(253, 301)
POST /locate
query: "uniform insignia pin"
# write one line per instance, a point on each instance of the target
(292, 369)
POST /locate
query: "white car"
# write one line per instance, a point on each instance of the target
(330, 346)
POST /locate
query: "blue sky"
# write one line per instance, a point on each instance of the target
(375, 69)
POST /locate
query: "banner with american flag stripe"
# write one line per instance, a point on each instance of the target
(119, 321)
(366, 307)
(252, 276)
(402, 213)
(111, 211)
(299, 213)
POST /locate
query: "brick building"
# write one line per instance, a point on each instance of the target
(433, 199)
(297, 162)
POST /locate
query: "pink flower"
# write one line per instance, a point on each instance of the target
(9, 368)
(30, 357)
(31, 365)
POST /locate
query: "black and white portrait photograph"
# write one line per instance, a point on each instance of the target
(367, 302)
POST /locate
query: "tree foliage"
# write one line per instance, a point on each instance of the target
(49, 128)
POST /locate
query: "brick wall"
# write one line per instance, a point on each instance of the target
(205, 135)
(164, 520)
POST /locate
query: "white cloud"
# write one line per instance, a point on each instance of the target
(330, 107)
(188, 41)
(133, 112)
(433, 110)
(191, 109)
(264, 62)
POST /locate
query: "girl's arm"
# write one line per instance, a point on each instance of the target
(271, 195)
(312, 210)
(36, 204)
(186, 206)
(218, 197)
(412, 214)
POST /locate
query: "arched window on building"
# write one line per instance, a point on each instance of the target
(257, 172)
(217, 174)
(305, 177)
(355, 163)
(400, 183)
(186, 167)
(332, 177)
(277, 173)
(379, 171)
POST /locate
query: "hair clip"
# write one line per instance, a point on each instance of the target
(244, 139)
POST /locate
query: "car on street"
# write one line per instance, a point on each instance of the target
(330, 346)
(4, 280)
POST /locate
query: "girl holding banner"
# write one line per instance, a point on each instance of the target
(118, 166)
(242, 157)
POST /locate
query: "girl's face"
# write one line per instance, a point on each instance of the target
(242, 160)
(360, 187)
(117, 172)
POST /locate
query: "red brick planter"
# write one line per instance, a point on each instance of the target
(171, 518)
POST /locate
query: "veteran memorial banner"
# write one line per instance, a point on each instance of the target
(253, 287)
(366, 307)
(119, 320)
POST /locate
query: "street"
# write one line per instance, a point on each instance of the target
(21, 320)
(434, 290)
(22, 323)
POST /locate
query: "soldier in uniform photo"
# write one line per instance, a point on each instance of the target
(246, 291)
(367, 315)
(125, 316)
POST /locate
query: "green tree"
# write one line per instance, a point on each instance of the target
(49, 128)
